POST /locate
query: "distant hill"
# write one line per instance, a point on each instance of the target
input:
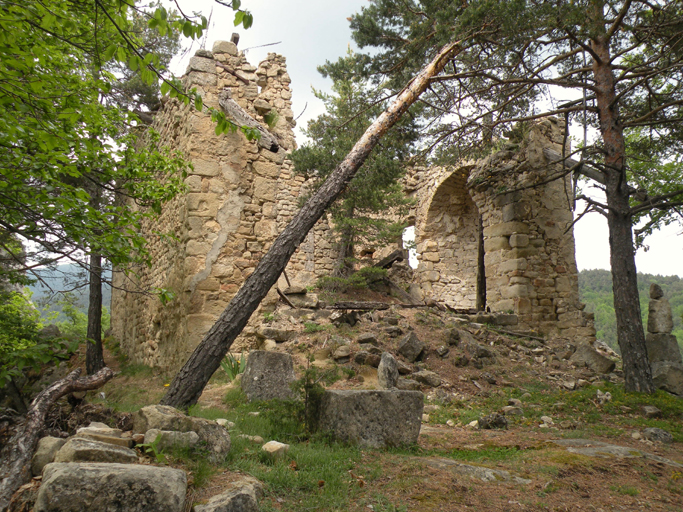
(595, 290)
(66, 278)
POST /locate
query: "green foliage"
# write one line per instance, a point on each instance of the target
(359, 279)
(152, 449)
(233, 366)
(595, 290)
(311, 388)
(20, 345)
(311, 327)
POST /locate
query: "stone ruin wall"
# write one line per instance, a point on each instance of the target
(529, 253)
(240, 196)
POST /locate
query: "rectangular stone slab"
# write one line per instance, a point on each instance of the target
(371, 418)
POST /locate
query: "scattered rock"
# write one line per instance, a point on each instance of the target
(241, 496)
(387, 372)
(586, 355)
(161, 417)
(411, 347)
(215, 437)
(268, 375)
(393, 331)
(603, 397)
(569, 384)
(225, 423)
(366, 358)
(487, 377)
(425, 418)
(453, 337)
(651, 411)
(307, 301)
(427, 378)
(345, 317)
(404, 368)
(461, 361)
(253, 439)
(492, 421)
(372, 418)
(275, 450)
(515, 402)
(97, 487)
(371, 349)
(407, 384)
(442, 351)
(279, 335)
(658, 434)
(367, 337)
(342, 354)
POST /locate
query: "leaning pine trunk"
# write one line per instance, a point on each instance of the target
(16, 457)
(188, 384)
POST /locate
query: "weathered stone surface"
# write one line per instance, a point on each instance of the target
(162, 417)
(268, 375)
(77, 487)
(85, 450)
(280, 335)
(658, 434)
(367, 337)
(202, 65)
(659, 318)
(225, 47)
(365, 357)
(651, 411)
(215, 437)
(170, 439)
(387, 372)
(275, 449)
(407, 384)
(372, 418)
(662, 347)
(240, 496)
(104, 434)
(492, 421)
(342, 354)
(427, 378)
(45, 453)
(656, 291)
(588, 356)
(668, 376)
(310, 300)
(453, 336)
(411, 347)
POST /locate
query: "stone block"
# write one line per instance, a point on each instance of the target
(411, 347)
(512, 265)
(387, 372)
(669, 377)
(659, 319)
(516, 290)
(240, 496)
(427, 378)
(496, 244)
(275, 450)
(170, 439)
(86, 450)
(225, 47)
(265, 189)
(202, 65)
(205, 168)
(518, 240)
(75, 487)
(662, 347)
(506, 229)
(586, 355)
(45, 453)
(268, 375)
(266, 169)
(160, 417)
(375, 419)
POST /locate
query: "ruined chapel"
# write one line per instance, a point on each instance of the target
(497, 228)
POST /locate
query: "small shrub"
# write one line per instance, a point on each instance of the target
(232, 366)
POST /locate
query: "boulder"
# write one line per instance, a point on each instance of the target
(97, 487)
(427, 378)
(309, 300)
(170, 439)
(215, 437)
(364, 357)
(668, 376)
(658, 434)
(45, 453)
(656, 291)
(411, 347)
(240, 496)
(453, 336)
(662, 347)
(86, 450)
(342, 354)
(375, 419)
(659, 319)
(407, 384)
(268, 375)
(387, 372)
(367, 337)
(275, 450)
(280, 335)
(586, 355)
(161, 417)
(104, 434)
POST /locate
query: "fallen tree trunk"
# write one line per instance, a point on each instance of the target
(188, 384)
(16, 459)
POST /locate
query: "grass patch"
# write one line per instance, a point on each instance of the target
(625, 490)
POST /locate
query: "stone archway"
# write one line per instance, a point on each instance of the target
(448, 238)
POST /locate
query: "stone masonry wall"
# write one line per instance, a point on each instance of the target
(239, 198)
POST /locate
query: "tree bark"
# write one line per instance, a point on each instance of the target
(188, 384)
(94, 356)
(16, 458)
(630, 332)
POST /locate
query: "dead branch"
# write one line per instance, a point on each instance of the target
(18, 452)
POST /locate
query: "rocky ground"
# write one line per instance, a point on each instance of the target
(563, 435)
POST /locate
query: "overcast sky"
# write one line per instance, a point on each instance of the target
(309, 32)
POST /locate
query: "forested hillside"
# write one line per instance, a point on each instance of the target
(595, 289)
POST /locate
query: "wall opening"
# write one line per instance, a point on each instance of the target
(450, 246)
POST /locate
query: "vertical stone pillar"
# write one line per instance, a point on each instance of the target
(525, 206)
(663, 351)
